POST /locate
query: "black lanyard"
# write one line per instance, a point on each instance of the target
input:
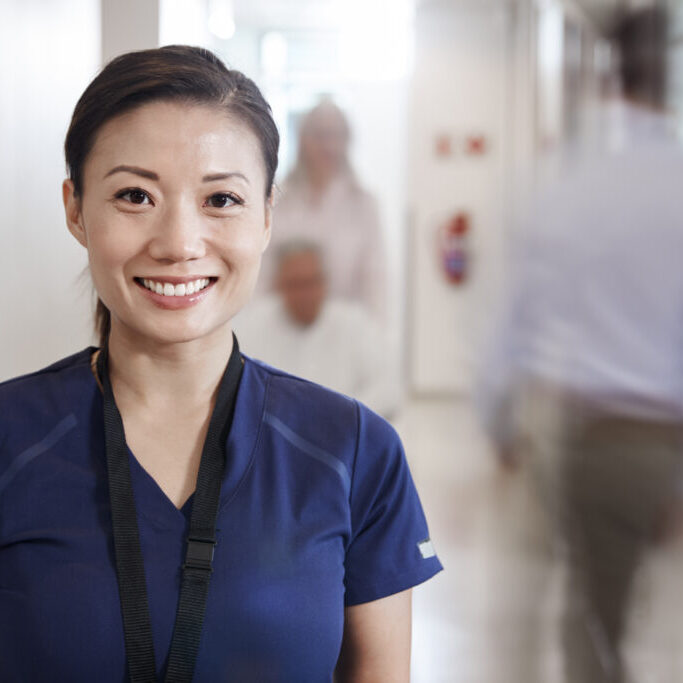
(201, 539)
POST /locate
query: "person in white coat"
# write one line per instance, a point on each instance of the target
(322, 201)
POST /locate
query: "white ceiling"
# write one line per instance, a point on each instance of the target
(321, 13)
(311, 13)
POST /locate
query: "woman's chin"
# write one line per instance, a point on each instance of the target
(167, 335)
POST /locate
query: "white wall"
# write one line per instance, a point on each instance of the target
(128, 25)
(460, 88)
(48, 53)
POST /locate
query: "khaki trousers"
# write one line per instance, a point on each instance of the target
(605, 480)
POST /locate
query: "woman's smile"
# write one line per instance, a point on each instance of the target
(173, 293)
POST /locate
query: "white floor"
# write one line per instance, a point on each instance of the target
(491, 616)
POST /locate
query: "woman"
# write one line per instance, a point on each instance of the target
(170, 509)
(322, 201)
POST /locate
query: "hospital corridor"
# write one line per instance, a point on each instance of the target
(314, 308)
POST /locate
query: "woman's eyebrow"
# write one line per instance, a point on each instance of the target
(224, 176)
(151, 175)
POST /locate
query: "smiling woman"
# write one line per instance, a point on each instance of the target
(182, 77)
(175, 197)
(169, 508)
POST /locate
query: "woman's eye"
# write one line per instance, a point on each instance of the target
(134, 196)
(222, 200)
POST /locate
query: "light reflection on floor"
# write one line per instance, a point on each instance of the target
(491, 616)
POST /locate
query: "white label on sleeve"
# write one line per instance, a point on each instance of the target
(426, 549)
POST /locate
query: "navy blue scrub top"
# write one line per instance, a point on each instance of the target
(317, 511)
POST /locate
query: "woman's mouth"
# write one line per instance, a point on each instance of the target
(178, 294)
(175, 289)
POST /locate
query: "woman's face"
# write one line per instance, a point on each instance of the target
(173, 215)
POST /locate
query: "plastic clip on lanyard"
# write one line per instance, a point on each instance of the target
(201, 541)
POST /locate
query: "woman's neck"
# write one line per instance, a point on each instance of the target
(170, 377)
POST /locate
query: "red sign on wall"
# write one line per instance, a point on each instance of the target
(475, 145)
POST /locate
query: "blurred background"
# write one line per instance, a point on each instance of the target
(455, 114)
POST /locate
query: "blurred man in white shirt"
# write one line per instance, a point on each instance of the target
(586, 373)
(333, 342)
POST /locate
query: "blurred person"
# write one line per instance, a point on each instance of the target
(169, 508)
(303, 330)
(585, 376)
(322, 201)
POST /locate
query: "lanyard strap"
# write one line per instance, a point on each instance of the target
(197, 568)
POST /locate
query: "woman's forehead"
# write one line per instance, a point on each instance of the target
(176, 134)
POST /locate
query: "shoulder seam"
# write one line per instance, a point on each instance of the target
(281, 374)
(50, 369)
(274, 372)
(255, 449)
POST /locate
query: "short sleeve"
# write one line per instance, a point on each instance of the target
(390, 549)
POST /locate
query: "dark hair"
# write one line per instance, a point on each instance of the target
(641, 37)
(171, 73)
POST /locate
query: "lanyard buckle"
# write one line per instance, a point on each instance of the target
(199, 554)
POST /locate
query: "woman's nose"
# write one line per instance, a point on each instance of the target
(178, 235)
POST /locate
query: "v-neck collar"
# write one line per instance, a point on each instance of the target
(151, 501)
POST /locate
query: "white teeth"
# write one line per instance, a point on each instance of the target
(182, 289)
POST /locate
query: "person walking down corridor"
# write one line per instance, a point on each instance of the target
(585, 375)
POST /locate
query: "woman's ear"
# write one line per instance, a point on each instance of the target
(72, 209)
(269, 222)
